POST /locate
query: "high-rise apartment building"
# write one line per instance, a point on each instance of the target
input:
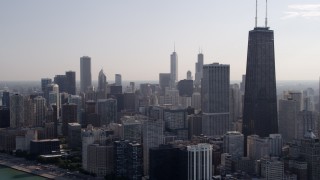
(16, 111)
(40, 111)
(85, 73)
(215, 99)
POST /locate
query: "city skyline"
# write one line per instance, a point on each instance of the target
(37, 34)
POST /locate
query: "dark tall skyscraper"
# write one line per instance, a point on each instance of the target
(44, 83)
(61, 80)
(85, 73)
(260, 100)
(71, 82)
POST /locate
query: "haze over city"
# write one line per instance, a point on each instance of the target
(135, 38)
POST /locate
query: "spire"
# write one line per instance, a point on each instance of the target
(174, 46)
(256, 25)
(266, 22)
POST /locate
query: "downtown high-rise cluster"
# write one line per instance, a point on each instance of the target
(199, 128)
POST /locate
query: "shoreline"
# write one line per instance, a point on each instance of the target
(26, 170)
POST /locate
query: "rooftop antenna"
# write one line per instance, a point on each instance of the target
(174, 46)
(256, 13)
(266, 23)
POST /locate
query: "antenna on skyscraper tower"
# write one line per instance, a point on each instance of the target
(266, 23)
(256, 13)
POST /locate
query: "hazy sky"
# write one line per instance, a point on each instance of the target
(135, 37)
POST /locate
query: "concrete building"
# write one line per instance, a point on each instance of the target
(198, 70)
(176, 121)
(164, 82)
(118, 80)
(215, 99)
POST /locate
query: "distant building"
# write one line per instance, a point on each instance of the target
(71, 82)
(16, 111)
(107, 110)
(44, 83)
(85, 73)
(164, 82)
(102, 85)
(185, 88)
(196, 101)
(40, 111)
(74, 135)
(118, 80)
(199, 70)
(173, 69)
(100, 159)
(69, 115)
(189, 75)
(4, 117)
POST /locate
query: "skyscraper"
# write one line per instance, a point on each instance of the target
(199, 70)
(174, 68)
(118, 80)
(215, 99)
(85, 73)
(71, 82)
(260, 100)
(44, 83)
(102, 81)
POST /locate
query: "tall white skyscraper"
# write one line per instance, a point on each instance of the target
(118, 80)
(174, 68)
(215, 99)
(85, 73)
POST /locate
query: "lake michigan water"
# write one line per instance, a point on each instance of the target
(7, 173)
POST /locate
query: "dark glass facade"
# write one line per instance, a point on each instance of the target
(260, 100)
